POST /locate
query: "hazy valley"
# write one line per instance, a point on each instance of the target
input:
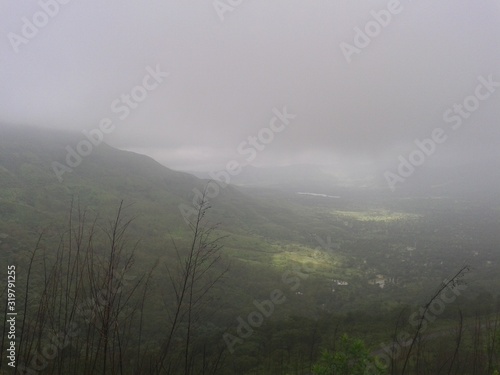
(332, 259)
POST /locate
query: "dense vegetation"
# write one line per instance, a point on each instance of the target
(111, 279)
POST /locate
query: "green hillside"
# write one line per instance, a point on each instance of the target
(354, 263)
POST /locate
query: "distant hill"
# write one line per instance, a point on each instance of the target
(475, 180)
(293, 178)
(31, 194)
(101, 179)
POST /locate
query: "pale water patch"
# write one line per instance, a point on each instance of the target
(320, 195)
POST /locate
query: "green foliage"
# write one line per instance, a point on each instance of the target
(410, 243)
(350, 358)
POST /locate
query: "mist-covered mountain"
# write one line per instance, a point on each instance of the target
(287, 177)
(41, 171)
(473, 180)
(341, 255)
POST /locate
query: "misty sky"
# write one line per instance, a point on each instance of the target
(227, 75)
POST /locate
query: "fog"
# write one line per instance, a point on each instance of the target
(356, 101)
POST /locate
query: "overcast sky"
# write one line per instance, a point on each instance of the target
(228, 71)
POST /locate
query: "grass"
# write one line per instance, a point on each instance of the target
(376, 215)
